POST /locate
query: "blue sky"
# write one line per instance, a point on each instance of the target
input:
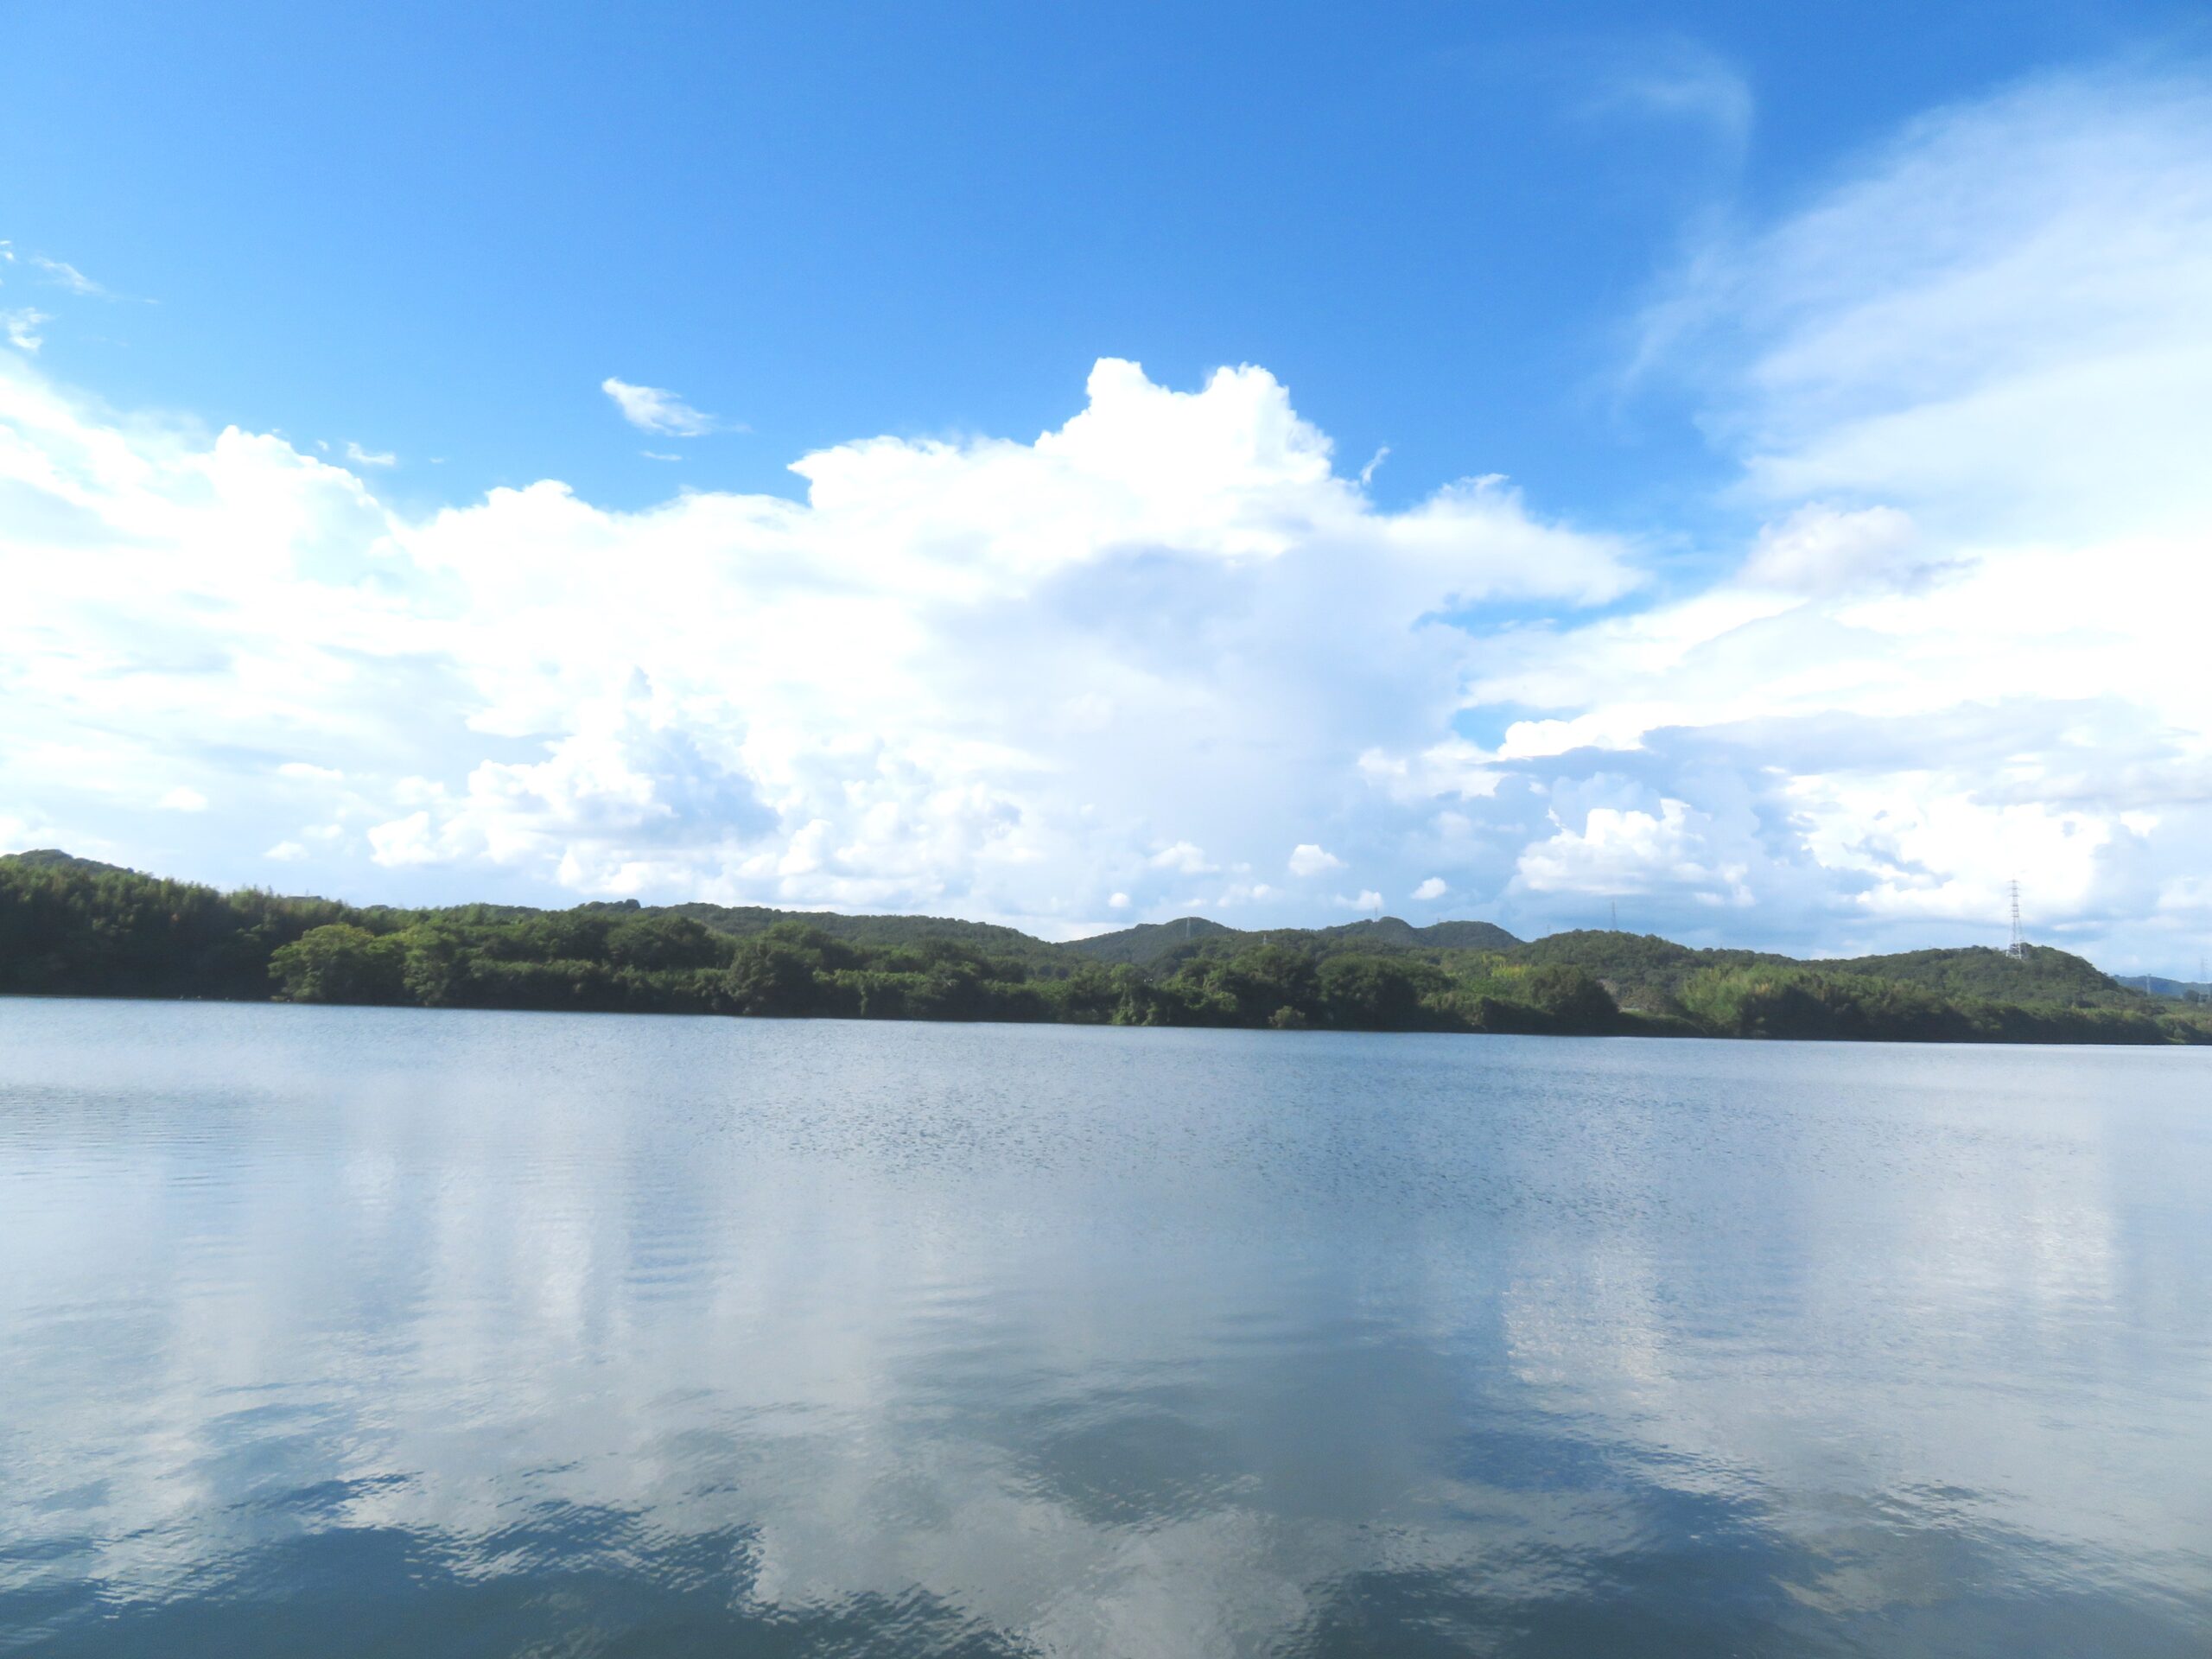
(429, 228)
(1804, 340)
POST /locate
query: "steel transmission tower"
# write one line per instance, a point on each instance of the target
(2018, 949)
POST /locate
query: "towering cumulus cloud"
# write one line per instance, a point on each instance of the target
(1169, 655)
(1141, 654)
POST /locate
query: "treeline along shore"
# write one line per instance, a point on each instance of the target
(71, 927)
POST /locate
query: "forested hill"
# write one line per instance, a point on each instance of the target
(71, 926)
(747, 921)
(1153, 942)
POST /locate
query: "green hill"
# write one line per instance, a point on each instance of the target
(1643, 970)
(1148, 942)
(2179, 990)
(53, 858)
(1389, 933)
(2044, 976)
(746, 921)
(71, 927)
(1153, 941)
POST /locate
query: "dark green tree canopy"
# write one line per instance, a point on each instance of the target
(75, 927)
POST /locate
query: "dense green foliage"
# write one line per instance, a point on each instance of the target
(2044, 976)
(1794, 1001)
(1150, 942)
(68, 926)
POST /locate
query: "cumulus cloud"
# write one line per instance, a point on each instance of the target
(1184, 858)
(1090, 677)
(184, 799)
(1005, 679)
(651, 409)
(627, 802)
(362, 457)
(1668, 848)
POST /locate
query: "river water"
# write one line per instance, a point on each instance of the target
(368, 1332)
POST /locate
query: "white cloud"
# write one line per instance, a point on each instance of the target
(362, 457)
(1629, 849)
(182, 799)
(1367, 899)
(1435, 888)
(68, 277)
(830, 701)
(286, 852)
(628, 800)
(1058, 680)
(1965, 386)
(1306, 859)
(1820, 550)
(1997, 324)
(23, 325)
(650, 408)
(1677, 80)
(1184, 858)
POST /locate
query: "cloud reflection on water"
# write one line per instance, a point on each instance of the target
(502, 1329)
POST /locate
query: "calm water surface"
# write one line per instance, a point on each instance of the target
(379, 1331)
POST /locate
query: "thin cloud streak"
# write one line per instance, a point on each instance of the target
(651, 409)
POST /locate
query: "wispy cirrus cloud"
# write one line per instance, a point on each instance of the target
(1679, 80)
(65, 275)
(1969, 387)
(653, 409)
(24, 326)
(1998, 316)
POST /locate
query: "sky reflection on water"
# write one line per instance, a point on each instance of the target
(379, 1331)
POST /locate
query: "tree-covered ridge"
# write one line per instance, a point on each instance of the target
(70, 926)
(1149, 943)
(2042, 975)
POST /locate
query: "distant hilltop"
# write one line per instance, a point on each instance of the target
(2181, 990)
(75, 927)
(1149, 942)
